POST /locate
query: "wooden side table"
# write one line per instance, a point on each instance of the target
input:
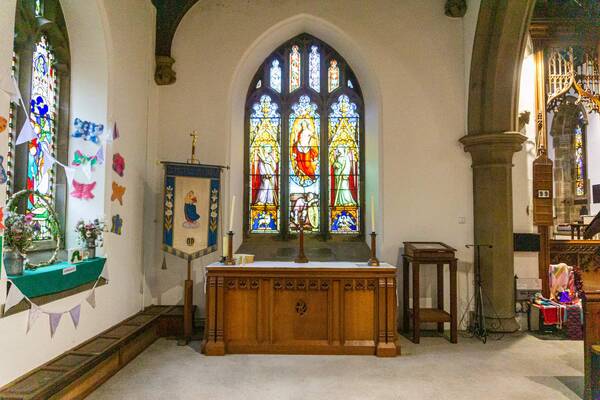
(432, 253)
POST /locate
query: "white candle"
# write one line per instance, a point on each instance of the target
(225, 245)
(231, 214)
(372, 214)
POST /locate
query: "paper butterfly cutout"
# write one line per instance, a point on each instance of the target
(3, 177)
(3, 124)
(83, 191)
(118, 164)
(80, 159)
(116, 134)
(117, 224)
(117, 192)
(88, 130)
(2, 227)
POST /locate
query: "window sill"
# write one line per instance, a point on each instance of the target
(51, 283)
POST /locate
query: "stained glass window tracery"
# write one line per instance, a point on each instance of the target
(276, 76)
(295, 65)
(39, 8)
(304, 150)
(580, 167)
(333, 74)
(314, 68)
(43, 114)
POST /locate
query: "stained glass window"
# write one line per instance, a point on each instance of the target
(39, 8)
(580, 167)
(344, 167)
(314, 68)
(305, 126)
(258, 84)
(43, 110)
(333, 75)
(304, 149)
(265, 155)
(295, 66)
(276, 76)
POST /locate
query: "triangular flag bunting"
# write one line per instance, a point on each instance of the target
(48, 161)
(34, 313)
(70, 173)
(54, 319)
(100, 155)
(104, 273)
(75, 312)
(14, 297)
(9, 85)
(91, 299)
(27, 133)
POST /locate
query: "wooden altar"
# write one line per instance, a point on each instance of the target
(316, 308)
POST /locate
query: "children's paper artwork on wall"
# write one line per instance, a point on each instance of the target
(87, 130)
(3, 176)
(115, 132)
(117, 224)
(2, 227)
(76, 256)
(118, 164)
(3, 124)
(117, 193)
(83, 191)
(80, 159)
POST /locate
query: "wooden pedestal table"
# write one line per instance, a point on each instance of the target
(436, 253)
(315, 308)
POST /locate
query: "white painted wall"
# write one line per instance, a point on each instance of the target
(112, 49)
(410, 61)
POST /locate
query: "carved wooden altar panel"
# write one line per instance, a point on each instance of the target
(301, 310)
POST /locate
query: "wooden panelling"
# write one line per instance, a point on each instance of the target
(302, 310)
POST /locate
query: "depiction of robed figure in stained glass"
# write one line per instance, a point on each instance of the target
(265, 131)
(344, 165)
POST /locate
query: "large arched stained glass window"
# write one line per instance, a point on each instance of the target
(304, 143)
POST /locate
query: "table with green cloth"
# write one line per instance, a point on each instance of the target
(55, 279)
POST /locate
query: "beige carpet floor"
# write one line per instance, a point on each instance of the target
(516, 367)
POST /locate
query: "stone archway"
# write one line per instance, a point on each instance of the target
(492, 140)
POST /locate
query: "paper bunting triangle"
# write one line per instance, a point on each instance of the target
(104, 273)
(75, 312)
(48, 161)
(91, 299)
(27, 133)
(14, 297)
(34, 314)
(100, 155)
(9, 85)
(70, 173)
(54, 319)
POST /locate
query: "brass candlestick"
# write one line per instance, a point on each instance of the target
(301, 258)
(229, 260)
(373, 261)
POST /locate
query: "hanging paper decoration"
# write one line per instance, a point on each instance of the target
(69, 173)
(100, 155)
(117, 224)
(83, 191)
(75, 313)
(115, 132)
(34, 314)
(27, 133)
(91, 299)
(81, 159)
(2, 227)
(87, 130)
(3, 124)
(117, 193)
(54, 321)
(49, 161)
(14, 297)
(3, 177)
(118, 164)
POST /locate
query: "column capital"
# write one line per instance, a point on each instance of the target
(493, 148)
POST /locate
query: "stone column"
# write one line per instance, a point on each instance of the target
(492, 155)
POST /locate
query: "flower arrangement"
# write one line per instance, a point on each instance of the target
(19, 231)
(90, 233)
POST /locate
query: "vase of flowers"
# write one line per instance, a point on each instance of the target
(18, 237)
(90, 234)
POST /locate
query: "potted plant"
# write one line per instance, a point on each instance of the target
(18, 238)
(90, 234)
